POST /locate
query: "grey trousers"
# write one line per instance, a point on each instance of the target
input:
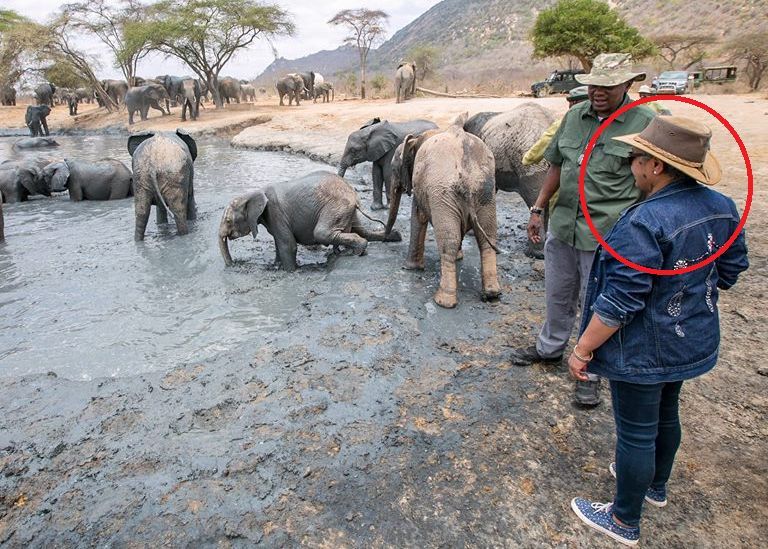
(566, 271)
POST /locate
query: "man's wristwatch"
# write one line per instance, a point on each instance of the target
(536, 211)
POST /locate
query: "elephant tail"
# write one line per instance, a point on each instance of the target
(359, 209)
(479, 228)
(160, 195)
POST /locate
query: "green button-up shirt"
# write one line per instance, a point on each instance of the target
(609, 184)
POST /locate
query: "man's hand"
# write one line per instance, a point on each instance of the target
(535, 228)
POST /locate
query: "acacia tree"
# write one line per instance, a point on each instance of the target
(425, 58)
(108, 23)
(690, 47)
(752, 50)
(14, 30)
(584, 29)
(206, 34)
(366, 28)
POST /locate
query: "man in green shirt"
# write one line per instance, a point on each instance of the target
(609, 187)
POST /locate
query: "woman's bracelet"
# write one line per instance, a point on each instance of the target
(581, 358)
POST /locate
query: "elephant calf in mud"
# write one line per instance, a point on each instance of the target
(106, 179)
(451, 176)
(163, 176)
(318, 208)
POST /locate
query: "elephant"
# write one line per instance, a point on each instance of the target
(35, 143)
(451, 176)
(2, 222)
(163, 175)
(173, 86)
(376, 142)
(309, 83)
(248, 93)
(509, 135)
(324, 90)
(141, 98)
(84, 95)
(35, 119)
(405, 81)
(291, 85)
(7, 96)
(44, 94)
(21, 178)
(116, 90)
(190, 94)
(230, 88)
(318, 208)
(107, 179)
(71, 99)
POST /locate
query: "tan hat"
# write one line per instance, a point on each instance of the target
(610, 69)
(680, 142)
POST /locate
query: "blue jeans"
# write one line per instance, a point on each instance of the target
(648, 436)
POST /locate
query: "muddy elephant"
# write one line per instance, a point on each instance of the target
(451, 177)
(19, 179)
(84, 95)
(163, 175)
(318, 208)
(230, 89)
(35, 143)
(509, 135)
(292, 86)
(309, 78)
(248, 93)
(376, 142)
(44, 94)
(190, 98)
(141, 98)
(324, 90)
(7, 96)
(405, 81)
(106, 179)
(115, 89)
(36, 120)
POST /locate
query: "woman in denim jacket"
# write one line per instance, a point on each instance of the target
(647, 333)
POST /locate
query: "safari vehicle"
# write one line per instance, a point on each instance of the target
(560, 81)
(714, 75)
(670, 82)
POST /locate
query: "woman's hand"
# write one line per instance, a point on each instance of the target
(578, 368)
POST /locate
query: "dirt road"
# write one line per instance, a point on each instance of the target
(376, 418)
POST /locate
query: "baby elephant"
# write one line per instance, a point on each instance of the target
(107, 179)
(319, 208)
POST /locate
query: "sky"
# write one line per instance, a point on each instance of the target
(312, 34)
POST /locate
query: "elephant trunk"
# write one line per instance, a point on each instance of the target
(394, 207)
(224, 249)
(342, 170)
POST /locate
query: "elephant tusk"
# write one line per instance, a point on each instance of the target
(224, 249)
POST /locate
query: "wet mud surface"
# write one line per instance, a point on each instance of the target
(371, 417)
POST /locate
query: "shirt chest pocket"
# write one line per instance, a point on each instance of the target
(571, 148)
(610, 157)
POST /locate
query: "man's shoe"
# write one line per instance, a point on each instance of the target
(656, 497)
(525, 356)
(600, 517)
(587, 393)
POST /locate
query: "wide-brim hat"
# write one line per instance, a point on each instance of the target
(577, 94)
(610, 69)
(680, 142)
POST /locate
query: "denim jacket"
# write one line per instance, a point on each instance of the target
(669, 325)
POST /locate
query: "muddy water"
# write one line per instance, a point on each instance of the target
(80, 298)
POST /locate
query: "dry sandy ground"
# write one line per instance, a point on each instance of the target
(441, 444)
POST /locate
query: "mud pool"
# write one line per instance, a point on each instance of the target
(80, 298)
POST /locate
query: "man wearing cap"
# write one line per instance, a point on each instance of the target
(646, 91)
(535, 154)
(609, 187)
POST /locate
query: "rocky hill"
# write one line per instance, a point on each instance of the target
(472, 36)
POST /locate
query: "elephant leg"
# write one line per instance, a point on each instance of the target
(191, 205)
(285, 245)
(378, 182)
(161, 214)
(486, 218)
(448, 236)
(374, 235)
(44, 122)
(419, 222)
(144, 112)
(529, 191)
(142, 204)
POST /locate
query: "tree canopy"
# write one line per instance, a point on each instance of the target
(15, 31)
(366, 28)
(684, 48)
(206, 34)
(425, 58)
(752, 50)
(583, 29)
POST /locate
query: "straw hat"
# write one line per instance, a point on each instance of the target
(680, 142)
(610, 69)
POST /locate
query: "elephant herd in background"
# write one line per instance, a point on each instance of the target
(451, 174)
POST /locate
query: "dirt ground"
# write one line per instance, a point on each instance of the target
(375, 418)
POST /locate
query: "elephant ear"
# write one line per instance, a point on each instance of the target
(371, 122)
(60, 176)
(254, 209)
(409, 157)
(191, 145)
(382, 140)
(137, 139)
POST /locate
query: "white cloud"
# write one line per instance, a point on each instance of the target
(312, 33)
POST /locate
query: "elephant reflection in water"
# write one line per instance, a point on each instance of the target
(319, 208)
(451, 176)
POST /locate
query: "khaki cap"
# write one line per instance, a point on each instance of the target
(611, 69)
(680, 142)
